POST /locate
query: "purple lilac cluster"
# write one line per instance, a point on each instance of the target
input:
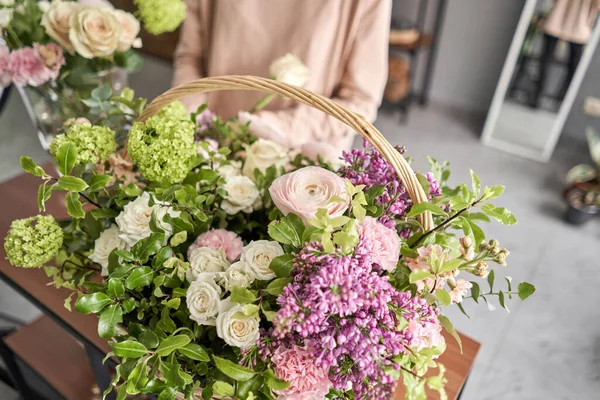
(368, 167)
(346, 313)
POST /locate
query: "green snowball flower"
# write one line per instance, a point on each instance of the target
(160, 16)
(32, 242)
(163, 148)
(175, 110)
(93, 143)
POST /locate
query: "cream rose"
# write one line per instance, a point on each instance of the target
(134, 220)
(234, 327)
(261, 155)
(234, 168)
(6, 16)
(108, 241)
(57, 21)
(242, 194)
(206, 259)
(238, 274)
(94, 32)
(257, 257)
(305, 191)
(289, 69)
(130, 28)
(203, 298)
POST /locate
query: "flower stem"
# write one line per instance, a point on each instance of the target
(262, 103)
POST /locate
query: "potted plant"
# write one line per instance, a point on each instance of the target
(583, 194)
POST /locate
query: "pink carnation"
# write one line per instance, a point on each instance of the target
(424, 334)
(53, 57)
(28, 67)
(296, 365)
(5, 72)
(381, 242)
(220, 239)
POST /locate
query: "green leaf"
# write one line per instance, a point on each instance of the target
(65, 157)
(419, 275)
(110, 317)
(30, 167)
(140, 277)
(475, 291)
(168, 394)
(195, 352)
(74, 206)
(163, 255)
(44, 193)
(273, 382)
(148, 246)
(425, 206)
(242, 295)
(223, 389)
(492, 193)
(478, 233)
(490, 279)
(178, 238)
(282, 265)
(450, 328)
(128, 349)
(276, 287)
(92, 303)
(72, 183)
(475, 183)
(125, 255)
(443, 296)
(285, 232)
(450, 265)
(171, 344)
(148, 338)
(116, 288)
(233, 370)
(138, 378)
(99, 181)
(502, 301)
(525, 289)
(424, 182)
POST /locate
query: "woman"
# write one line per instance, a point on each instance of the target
(344, 43)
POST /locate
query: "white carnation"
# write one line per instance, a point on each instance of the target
(206, 259)
(203, 298)
(234, 327)
(108, 241)
(242, 194)
(257, 256)
(238, 274)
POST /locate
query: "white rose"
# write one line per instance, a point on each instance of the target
(134, 220)
(242, 194)
(57, 21)
(257, 256)
(44, 6)
(289, 69)
(262, 154)
(238, 274)
(130, 28)
(234, 168)
(234, 327)
(203, 298)
(95, 32)
(6, 16)
(206, 259)
(108, 241)
(7, 3)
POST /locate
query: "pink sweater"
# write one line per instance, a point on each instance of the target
(572, 20)
(343, 42)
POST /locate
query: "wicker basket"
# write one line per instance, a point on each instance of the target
(353, 120)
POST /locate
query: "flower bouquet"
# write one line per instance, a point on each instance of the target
(57, 53)
(235, 268)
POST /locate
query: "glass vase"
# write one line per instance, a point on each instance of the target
(50, 105)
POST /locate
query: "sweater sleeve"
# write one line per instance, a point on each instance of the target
(187, 59)
(360, 88)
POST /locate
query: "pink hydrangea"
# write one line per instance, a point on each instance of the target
(296, 365)
(380, 242)
(28, 67)
(53, 57)
(220, 239)
(5, 72)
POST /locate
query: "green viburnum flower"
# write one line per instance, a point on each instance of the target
(175, 110)
(163, 148)
(93, 143)
(32, 242)
(160, 16)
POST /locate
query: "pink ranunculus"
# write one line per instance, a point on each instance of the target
(461, 287)
(53, 57)
(220, 239)
(28, 67)
(305, 191)
(5, 71)
(382, 243)
(296, 365)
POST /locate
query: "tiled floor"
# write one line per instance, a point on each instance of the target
(547, 347)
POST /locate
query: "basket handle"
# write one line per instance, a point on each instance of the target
(328, 106)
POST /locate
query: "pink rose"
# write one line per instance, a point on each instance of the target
(53, 58)
(381, 242)
(5, 72)
(220, 239)
(305, 191)
(28, 67)
(307, 381)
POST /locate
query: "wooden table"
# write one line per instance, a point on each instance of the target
(18, 200)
